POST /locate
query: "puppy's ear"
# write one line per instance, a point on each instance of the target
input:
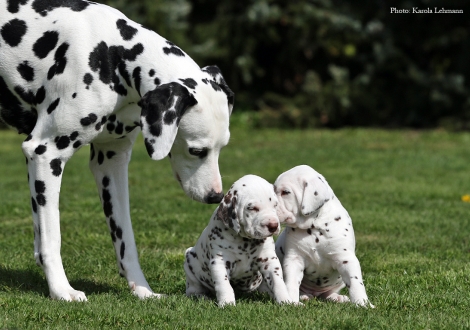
(316, 193)
(162, 109)
(219, 80)
(227, 212)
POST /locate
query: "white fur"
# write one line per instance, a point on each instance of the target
(317, 248)
(237, 247)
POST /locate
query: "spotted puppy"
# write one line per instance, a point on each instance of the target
(73, 73)
(317, 248)
(236, 249)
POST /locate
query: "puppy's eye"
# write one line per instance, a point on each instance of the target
(285, 192)
(252, 208)
(199, 152)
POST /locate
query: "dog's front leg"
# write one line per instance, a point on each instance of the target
(46, 162)
(223, 289)
(109, 164)
(350, 269)
(293, 267)
(272, 275)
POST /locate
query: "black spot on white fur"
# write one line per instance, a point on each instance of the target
(13, 32)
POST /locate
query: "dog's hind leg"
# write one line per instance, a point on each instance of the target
(46, 159)
(109, 164)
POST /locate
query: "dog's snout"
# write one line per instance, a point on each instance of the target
(272, 226)
(213, 197)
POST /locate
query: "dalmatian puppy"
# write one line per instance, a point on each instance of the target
(236, 249)
(74, 73)
(317, 248)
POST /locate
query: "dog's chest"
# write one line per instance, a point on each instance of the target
(120, 123)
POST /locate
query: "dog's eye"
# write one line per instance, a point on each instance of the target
(201, 153)
(252, 208)
(285, 192)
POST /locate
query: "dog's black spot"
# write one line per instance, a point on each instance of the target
(14, 5)
(345, 262)
(112, 224)
(73, 136)
(29, 137)
(100, 157)
(40, 259)
(108, 209)
(124, 74)
(34, 205)
(338, 218)
(157, 81)
(112, 118)
(53, 106)
(119, 128)
(26, 71)
(13, 32)
(40, 187)
(90, 119)
(60, 61)
(92, 152)
(137, 78)
(105, 181)
(105, 60)
(77, 144)
(40, 95)
(119, 232)
(106, 195)
(110, 127)
(189, 82)
(151, 72)
(127, 32)
(110, 154)
(56, 166)
(113, 237)
(62, 142)
(317, 240)
(41, 199)
(43, 6)
(123, 249)
(45, 44)
(40, 149)
(87, 79)
(309, 231)
(74, 95)
(173, 50)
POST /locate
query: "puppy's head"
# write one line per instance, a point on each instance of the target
(249, 208)
(302, 192)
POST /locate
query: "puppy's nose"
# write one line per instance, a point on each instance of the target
(272, 226)
(213, 197)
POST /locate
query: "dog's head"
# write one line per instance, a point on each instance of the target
(188, 120)
(249, 208)
(302, 192)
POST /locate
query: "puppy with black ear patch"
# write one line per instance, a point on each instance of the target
(317, 248)
(236, 249)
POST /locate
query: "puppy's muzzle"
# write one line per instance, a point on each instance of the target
(213, 197)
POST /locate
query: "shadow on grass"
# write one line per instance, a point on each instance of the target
(32, 280)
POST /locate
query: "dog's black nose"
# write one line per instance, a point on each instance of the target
(213, 197)
(272, 227)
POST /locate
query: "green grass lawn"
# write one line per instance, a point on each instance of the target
(402, 189)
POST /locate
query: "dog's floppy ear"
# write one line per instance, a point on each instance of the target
(216, 74)
(227, 212)
(316, 193)
(162, 109)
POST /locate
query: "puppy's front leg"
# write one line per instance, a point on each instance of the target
(293, 267)
(272, 274)
(223, 289)
(350, 270)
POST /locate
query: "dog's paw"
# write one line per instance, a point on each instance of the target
(306, 296)
(68, 294)
(225, 303)
(338, 298)
(364, 303)
(143, 292)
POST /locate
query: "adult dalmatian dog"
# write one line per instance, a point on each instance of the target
(317, 248)
(73, 73)
(236, 249)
